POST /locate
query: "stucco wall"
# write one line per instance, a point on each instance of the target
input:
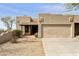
(22, 20)
(76, 19)
(55, 18)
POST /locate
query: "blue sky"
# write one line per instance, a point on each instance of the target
(31, 9)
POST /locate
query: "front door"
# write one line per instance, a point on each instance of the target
(27, 29)
(34, 29)
(31, 29)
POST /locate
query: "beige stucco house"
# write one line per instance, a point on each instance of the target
(49, 25)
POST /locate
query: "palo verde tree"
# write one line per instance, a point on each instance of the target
(71, 6)
(8, 22)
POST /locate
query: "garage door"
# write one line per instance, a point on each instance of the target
(56, 31)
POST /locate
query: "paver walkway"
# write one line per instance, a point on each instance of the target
(61, 47)
(25, 47)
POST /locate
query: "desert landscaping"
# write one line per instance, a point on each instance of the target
(26, 46)
(39, 29)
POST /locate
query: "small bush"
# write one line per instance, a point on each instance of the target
(17, 33)
(36, 34)
(1, 30)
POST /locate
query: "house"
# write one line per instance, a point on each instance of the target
(49, 25)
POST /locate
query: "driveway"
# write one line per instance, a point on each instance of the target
(61, 46)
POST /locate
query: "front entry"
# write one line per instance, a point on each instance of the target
(34, 29)
(31, 29)
(76, 29)
(27, 29)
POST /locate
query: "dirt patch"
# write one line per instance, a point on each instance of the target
(24, 47)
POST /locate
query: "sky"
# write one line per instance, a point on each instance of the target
(31, 9)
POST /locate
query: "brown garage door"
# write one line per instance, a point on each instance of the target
(56, 31)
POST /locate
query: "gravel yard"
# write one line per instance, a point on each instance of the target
(24, 47)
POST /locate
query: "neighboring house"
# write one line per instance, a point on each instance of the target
(49, 25)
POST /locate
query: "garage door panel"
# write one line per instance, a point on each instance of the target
(56, 31)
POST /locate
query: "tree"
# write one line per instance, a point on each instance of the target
(8, 22)
(71, 6)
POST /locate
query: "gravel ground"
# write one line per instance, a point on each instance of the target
(24, 47)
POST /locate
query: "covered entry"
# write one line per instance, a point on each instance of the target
(76, 29)
(56, 30)
(30, 29)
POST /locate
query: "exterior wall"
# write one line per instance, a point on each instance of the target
(76, 19)
(55, 19)
(40, 30)
(56, 31)
(22, 20)
(23, 29)
(72, 30)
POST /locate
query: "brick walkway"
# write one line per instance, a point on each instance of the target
(25, 47)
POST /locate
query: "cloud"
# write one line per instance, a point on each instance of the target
(59, 9)
(72, 12)
(52, 7)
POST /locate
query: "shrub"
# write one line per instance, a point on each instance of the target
(36, 34)
(17, 33)
(1, 30)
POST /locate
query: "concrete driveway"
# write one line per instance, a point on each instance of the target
(61, 46)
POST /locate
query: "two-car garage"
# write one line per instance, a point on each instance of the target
(56, 30)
